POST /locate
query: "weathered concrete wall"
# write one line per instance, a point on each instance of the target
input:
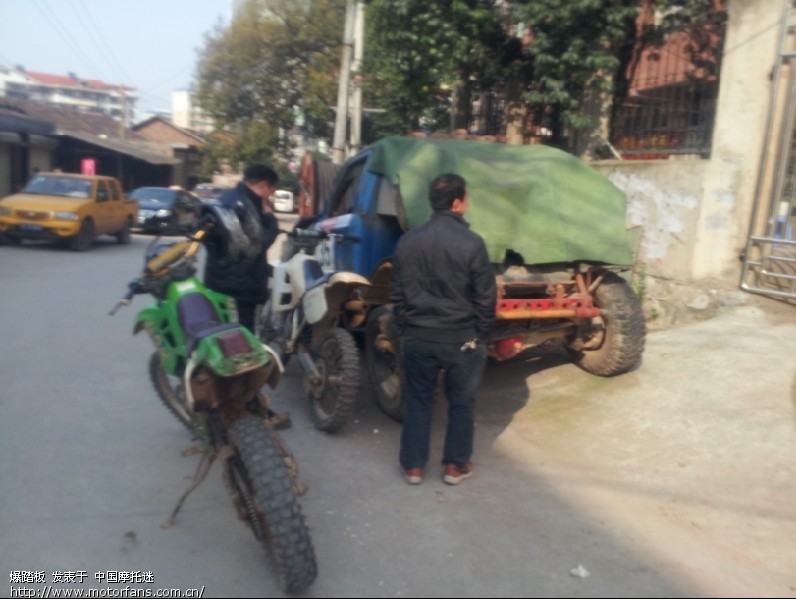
(664, 199)
(696, 213)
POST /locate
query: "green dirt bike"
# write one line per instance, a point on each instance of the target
(209, 372)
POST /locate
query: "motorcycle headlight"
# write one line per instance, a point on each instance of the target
(4, 211)
(163, 213)
(66, 216)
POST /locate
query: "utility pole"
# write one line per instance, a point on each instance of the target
(338, 146)
(356, 96)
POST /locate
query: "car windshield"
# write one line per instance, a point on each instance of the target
(153, 195)
(69, 187)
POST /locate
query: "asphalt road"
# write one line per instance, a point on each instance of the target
(676, 480)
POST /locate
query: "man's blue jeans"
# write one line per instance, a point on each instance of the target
(421, 362)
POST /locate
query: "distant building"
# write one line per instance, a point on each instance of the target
(70, 91)
(185, 114)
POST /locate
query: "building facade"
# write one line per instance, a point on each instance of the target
(70, 91)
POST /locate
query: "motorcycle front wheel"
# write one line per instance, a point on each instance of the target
(171, 394)
(333, 396)
(263, 482)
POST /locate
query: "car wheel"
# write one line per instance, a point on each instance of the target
(123, 236)
(82, 241)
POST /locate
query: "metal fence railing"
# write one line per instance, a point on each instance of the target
(672, 90)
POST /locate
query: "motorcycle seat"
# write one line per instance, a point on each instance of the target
(198, 319)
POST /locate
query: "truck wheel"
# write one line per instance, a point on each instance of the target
(613, 343)
(334, 396)
(82, 241)
(381, 358)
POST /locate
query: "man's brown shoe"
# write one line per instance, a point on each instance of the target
(454, 475)
(413, 476)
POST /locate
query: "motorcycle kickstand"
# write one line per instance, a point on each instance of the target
(201, 473)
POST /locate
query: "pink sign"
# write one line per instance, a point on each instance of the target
(88, 166)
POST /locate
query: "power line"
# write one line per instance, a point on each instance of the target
(105, 49)
(65, 35)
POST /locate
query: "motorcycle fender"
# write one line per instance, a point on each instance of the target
(347, 278)
(231, 352)
(314, 302)
(147, 316)
(340, 294)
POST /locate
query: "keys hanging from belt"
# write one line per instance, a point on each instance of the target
(470, 345)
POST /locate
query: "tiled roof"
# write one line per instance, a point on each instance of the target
(67, 119)
(66, 81)
(175, 133)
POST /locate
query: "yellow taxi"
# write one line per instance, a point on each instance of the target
(73, 208)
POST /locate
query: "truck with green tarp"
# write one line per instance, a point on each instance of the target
(556, 234)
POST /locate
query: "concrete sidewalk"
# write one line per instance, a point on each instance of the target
(688, 462)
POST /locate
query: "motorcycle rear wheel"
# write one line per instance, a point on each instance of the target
(264, 484)
(172, 396)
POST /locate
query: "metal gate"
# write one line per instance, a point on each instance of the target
(769, 265)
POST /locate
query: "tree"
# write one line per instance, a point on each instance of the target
(575, 49)
(418, 53)
(277, 56)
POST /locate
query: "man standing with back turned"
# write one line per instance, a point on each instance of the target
(443, 288)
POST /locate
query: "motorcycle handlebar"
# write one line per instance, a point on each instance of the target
(125, 301)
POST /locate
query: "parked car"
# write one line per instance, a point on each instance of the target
(283, 201)
(207, 191)
(164, 210)
(72, 208)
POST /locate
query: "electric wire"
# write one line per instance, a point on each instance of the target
(45, 10)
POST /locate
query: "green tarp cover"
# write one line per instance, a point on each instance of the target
(543, 203)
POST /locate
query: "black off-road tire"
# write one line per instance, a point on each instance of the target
(123, 236)
(274, 510)
(618, 341)
(84, 238)
(332, 401)
(171, 398)
(384, 365)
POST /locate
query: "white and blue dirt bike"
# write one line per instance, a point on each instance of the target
(209, 371)
(312, 308)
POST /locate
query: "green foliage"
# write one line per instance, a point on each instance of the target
(417, 51)
(575, 50)
(216, 151)
(276, 55)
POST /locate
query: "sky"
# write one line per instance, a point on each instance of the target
(150, 45)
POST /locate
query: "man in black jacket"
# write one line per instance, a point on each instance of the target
(237, 263)
(443, 288)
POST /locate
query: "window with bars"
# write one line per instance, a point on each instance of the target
(672, 89)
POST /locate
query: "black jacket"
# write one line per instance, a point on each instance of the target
(243, 275)
(442, 282)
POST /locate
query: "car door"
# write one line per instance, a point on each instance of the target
(103, 209)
